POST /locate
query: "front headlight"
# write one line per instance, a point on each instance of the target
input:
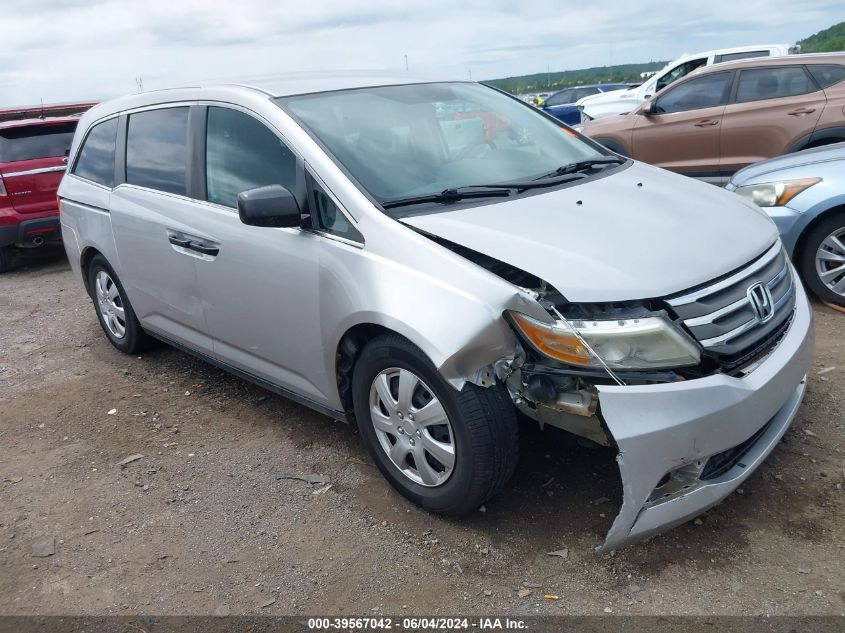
(646, 343)
(776, 194)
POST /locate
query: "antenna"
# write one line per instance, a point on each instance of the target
(42, 108)
(139, 82)
(406, 62)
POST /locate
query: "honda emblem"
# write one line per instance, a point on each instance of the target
(760, 298)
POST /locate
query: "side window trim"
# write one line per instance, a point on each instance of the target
(197, 130)
(120, 151)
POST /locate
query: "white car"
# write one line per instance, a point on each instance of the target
(624, 101)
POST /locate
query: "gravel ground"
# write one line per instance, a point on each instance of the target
(204, 523)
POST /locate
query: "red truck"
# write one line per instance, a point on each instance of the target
(33, 156)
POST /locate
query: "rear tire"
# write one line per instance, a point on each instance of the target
(479, 427)
(5, 259)
(822, 255)
(114, 312)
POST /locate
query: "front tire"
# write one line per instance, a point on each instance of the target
(5, 259)
(114, 312)
(822, 260)
(446, 450)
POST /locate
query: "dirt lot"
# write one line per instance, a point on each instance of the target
(203, 523)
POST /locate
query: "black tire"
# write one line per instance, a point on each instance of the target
(5, 259)
(807, 257)
(135, 339)
(483, 422)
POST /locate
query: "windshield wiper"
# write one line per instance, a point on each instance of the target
(452, 194)
(583, 165)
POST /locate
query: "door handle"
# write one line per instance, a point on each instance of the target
(178, 241)
(706, 123)
(205, 250)
(801, 111)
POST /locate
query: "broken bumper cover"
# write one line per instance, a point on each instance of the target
(685, 446)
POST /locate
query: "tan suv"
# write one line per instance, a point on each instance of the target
(722, 118)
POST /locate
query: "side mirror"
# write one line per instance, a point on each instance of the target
(647, 109)
(272, 205)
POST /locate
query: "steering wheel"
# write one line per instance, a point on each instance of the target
(473, 150)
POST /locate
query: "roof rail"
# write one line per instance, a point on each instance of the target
(43, 111)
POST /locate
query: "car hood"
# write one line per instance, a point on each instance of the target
(638, 233)
(788, 161)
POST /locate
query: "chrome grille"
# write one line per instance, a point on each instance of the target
(728, 317)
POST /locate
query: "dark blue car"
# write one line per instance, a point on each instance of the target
(561, 104)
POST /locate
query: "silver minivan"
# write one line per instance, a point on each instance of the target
(440, 263)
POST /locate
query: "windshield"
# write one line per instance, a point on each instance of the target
(419, 139)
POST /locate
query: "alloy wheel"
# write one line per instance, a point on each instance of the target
(412, 427)
(830, 261)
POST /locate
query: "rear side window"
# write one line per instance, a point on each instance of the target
(35, 141)
(243, 154)
(775, 82)
(157, 149)
(702, 92)
(729, 57)
(827, 74)
(96, 158)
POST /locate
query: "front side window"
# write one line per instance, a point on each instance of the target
(585, 92)
(681, 70)
(756, 84)
(96, 158)
(703, 92)
(27, 142)
(157, 149)
(242, 154)
(421, 139)
(561, 98)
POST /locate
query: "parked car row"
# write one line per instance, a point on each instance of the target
(430, 258)
(561, 104)
(623, 101)
(725, 117)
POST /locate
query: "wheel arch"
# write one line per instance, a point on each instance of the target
(347, 351)
(818, 138)
(801, 241)
(85, 259)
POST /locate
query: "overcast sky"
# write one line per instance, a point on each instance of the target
(62, 50)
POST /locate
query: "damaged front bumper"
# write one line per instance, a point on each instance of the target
(685, 446)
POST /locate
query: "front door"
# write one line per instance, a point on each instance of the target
(682, 131)
(261, 291)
